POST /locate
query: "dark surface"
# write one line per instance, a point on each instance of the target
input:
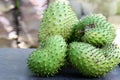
(13, 67)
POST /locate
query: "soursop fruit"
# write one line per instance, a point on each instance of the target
(58, 19)
(95, 29)
(92, 61)
(48, 58)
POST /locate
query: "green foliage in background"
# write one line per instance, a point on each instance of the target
(17, 3)
(118, 8)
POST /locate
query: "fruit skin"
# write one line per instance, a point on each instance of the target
(79, 28)
(95, 29)
(48, 58)
(58, 19)
(92, 61)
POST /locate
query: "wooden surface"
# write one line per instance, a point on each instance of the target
(13, 67)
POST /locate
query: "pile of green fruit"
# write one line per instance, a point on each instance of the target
(87, 42)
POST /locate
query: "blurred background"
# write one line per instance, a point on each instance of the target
(20, 19)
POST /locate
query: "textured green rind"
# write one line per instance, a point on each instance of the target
(77, 33)
(92, 19)
(58, 19)
(97, 30)
(47, 60)
(78, 30)
(100, 35)
(91, 61)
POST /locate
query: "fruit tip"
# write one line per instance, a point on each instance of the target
(63, 1)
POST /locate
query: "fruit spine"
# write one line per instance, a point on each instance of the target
(96, 54)
(92, 61)
(58, 19)
(48, 59)
(97, 30)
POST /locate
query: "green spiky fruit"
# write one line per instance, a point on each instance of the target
(47, 59)
(92, 61)
(58, 19)
(95, 29)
